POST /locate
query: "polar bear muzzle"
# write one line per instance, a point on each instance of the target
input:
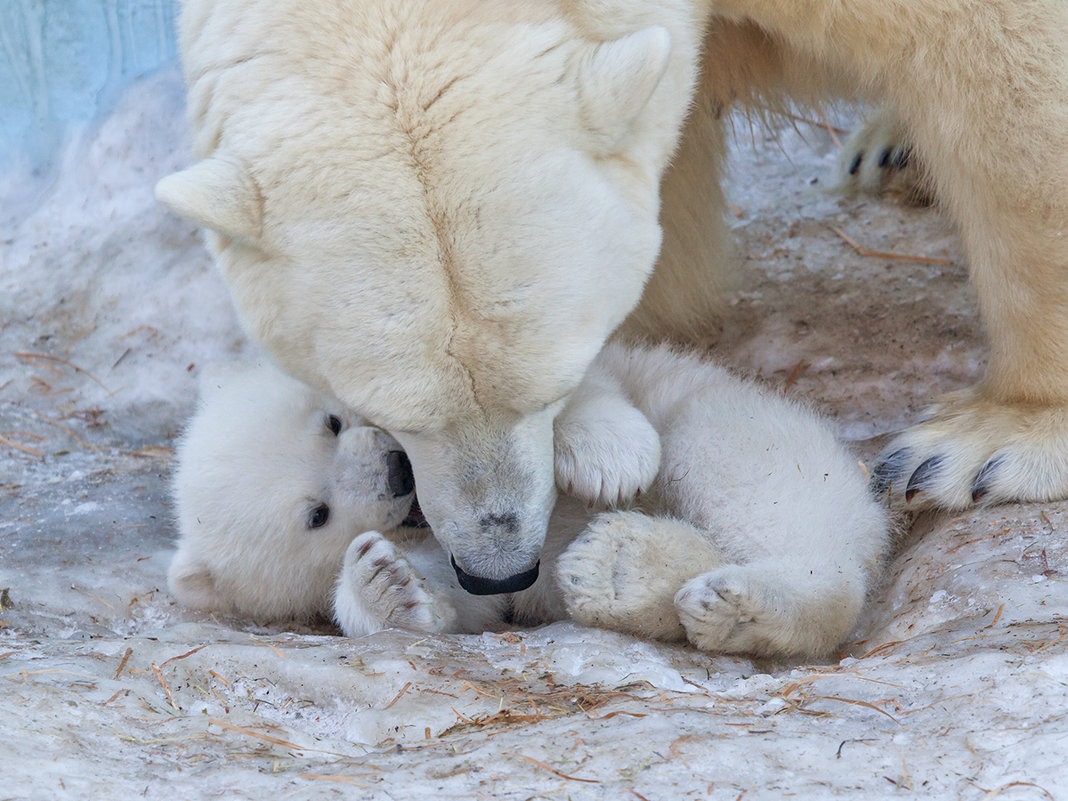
(477, 585)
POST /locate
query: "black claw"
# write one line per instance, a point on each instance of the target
(884, 158)
(981, 484)
(922, 477)
(366, 547)
(889, 470)
(856, 163)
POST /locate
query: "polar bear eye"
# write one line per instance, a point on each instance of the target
(333, 422)
(319, 515)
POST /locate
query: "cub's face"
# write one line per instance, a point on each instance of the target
(274, 481)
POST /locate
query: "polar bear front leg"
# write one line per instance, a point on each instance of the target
(623, 571)
(771, 609)
(606, 451)
(983, 91)
(379, 589)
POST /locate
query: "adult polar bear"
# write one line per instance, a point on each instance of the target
(439, 211)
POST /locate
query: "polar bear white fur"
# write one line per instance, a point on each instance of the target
(438, 211)
(755, 534)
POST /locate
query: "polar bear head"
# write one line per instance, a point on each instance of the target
(274, 481)
(437, 213)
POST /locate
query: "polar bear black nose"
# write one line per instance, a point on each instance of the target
(508, 523)
(401, 481)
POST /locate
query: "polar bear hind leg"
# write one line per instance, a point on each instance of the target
(769, 609)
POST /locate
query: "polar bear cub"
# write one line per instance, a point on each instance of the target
(749, 528)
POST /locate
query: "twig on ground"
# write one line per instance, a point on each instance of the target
(556, 772)
(863, 251)
(30, 357)
(163, 684)
(21, 447)
(122, 664)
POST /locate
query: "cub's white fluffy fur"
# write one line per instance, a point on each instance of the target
(753, 530)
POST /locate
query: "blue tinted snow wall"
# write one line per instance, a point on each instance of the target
(63, 65)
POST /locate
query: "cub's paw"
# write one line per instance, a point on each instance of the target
(379, 589)
(622, 573)
(878, 158)
(973, 451)
(607, 454)
(735, 609)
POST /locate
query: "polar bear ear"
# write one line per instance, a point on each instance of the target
(192, 582)
(616, 80)
(216, 193)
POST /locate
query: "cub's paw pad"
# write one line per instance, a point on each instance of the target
(731, 609)
(608, 578)
(389, 587)
(607, 460)
(969, 451)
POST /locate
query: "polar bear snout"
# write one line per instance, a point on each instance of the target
(487, 490)
(497, 557)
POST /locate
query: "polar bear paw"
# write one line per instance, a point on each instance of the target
(607, 454)
(379, 589)
(602, 576)
(736, 609)
(973, 451)
(623, 572)
(878, 158)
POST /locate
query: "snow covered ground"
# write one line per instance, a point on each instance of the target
(954, 686)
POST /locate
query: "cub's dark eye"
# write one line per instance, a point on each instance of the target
(333, 422)
(319, 515)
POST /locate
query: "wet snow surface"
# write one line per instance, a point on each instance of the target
(953, 687)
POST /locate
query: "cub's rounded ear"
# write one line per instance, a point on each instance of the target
(191, 581)
(217, 193)
(616, 79)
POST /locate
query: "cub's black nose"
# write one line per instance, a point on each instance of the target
(477, 585)
(401, 480)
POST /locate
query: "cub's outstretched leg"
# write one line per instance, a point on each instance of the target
(982, 88)
(771, 608)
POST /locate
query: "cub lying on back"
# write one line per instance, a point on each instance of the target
(753, 530)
